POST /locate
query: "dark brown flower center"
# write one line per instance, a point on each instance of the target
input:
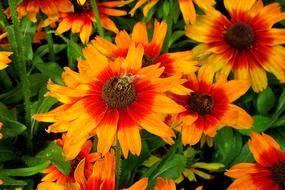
(146, 61)
(78, 8)
(201, 103)
(119, 92)
(278, 174)
(240, 35)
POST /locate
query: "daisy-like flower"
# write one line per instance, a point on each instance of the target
(81, 165)
(209, 106)
(51, 8)
(4, 59)
(245, 43)
(174, 63)
(188, 9)
(111, 98)
(80, 20)
(267, 173)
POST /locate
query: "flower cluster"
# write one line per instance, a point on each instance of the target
(119, 91)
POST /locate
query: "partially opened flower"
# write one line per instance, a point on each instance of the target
(245, 43)
(4, 59)
(81, 19)
(209, 106)
(81, 164)
(51, 8)
(188, 9)
(111, 98)
(267, 173)
(174, 63)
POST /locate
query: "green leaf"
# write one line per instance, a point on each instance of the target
(43, 49)
(51, 69)
(25, 171)
(172, 168)
(279, 135)
(265, 101)
(281, 104)
(4, 112)
(54, 153)
(41, 106)
(131, 164)
(74, 50)
(260, 124)
(11, 181)
(228, 144)
(28, 30)
(11, 128)
(244, 156)
(15, 95)
(7, 152)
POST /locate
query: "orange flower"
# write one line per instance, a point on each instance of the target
(188, 9)
(267, 173)
(81, 164)
(174, 63)
(111, 98)
(4, 59)
(209, 106)
(52, 8)
(246, 43)
(82, 18)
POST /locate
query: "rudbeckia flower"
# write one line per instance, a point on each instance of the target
(267, 173)
(245, 43)
(188, 9)
(4, 59)
(81, 164)
(51, 8)
(80, 20)
(174, 63)
(209, 106)
(111, 98)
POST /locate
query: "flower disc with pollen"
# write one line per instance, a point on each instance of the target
(245, 42)
(119, 92)
(209, 106)
(112, 99)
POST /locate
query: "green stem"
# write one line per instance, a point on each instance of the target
(118, 155)
(50, 44)
(98, 21)
(20, 64)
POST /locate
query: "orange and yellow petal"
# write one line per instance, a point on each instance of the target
(266, 151)
(4, 59)
(165, 184)
(139, 185)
